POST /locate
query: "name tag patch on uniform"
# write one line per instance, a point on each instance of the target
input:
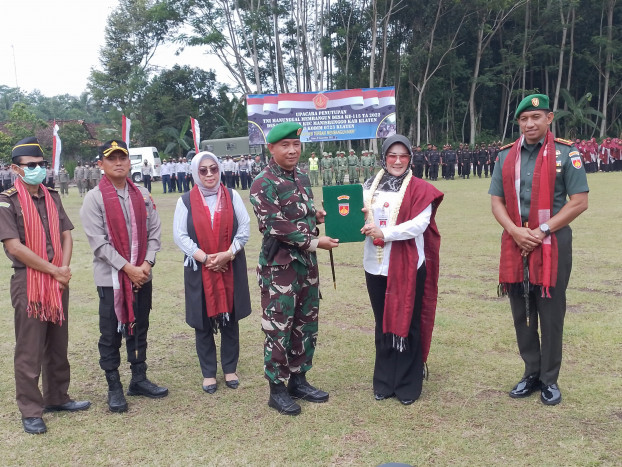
(4, 205)
(576, 162)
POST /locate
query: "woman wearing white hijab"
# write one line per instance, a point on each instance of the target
(211, 226)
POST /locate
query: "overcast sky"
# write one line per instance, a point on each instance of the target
(56, 43)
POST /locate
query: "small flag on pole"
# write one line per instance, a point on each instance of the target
(196, 133)
(126, 123)
(56, 149)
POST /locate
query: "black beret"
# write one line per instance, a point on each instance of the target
(27, 147)
(111, 146)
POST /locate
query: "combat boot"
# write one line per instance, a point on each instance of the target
(141, 386)
(281, 401)
(116, 399)
(299, 388)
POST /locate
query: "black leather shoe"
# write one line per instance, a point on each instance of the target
(34, 425)
(210, 388)
(70, 406)
(280, 400)
(299, 388)
(380, 397)
(526, 386)
(550, 394)
(146, 388)
(233, 384)
(406, 401)
(116, 400)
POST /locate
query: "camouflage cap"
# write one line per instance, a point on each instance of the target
(285, 130)
(533, 102)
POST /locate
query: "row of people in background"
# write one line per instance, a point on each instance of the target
(464, 160)
(606, 156)
(86, 176)
(336, 168)
(176, 175)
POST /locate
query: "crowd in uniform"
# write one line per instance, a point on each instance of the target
(604, 157)
(332, 170)
(460, 161)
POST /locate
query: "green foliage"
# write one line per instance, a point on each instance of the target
(6, 145)
(23, 122)
(578, 115)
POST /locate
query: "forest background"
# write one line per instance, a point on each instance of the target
(459, 68)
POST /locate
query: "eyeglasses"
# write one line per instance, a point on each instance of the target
(33, 165)
(393, 157)
(208, 170)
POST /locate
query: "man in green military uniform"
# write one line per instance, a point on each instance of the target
(342, 166)
(366, 162)
(327, 169)
(536, 246)
(353, 167)
(313, 169)
(288, 271)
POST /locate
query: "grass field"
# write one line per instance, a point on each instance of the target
(464, 416)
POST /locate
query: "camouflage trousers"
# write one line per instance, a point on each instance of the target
(290, 303)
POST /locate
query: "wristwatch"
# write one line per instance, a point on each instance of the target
(152, 263)
(545, 229)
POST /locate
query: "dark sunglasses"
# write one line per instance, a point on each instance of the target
(33, 165)
(208, 170)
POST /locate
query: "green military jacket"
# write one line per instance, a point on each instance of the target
(570, 179)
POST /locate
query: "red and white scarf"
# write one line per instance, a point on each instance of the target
(43, 291)
(543, 259)
(133, 251)
(213, 238)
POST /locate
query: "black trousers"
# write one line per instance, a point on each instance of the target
(110, 338)
(147, 182)
(229, 347)
(399, 373)
(542, 353)
(434, 171)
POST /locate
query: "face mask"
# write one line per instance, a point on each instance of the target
(34, 176)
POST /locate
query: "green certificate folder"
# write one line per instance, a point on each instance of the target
(344, 218)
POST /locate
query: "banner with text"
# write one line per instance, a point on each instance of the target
(325, 116)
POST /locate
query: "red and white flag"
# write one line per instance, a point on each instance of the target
(126, 123)
(196, 133)
(56, 149)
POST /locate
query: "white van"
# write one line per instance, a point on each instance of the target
(137, 158)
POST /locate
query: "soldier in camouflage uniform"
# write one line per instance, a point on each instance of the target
(353, 167)
(288, 272)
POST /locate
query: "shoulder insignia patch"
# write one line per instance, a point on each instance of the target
(152, 202)
(52, 189)
(576, 162)
(10, 191)
(506, 146)
(4, 204)
(564, 141)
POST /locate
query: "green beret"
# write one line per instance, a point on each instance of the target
(285, 130)
(533, 102)
(27, 147)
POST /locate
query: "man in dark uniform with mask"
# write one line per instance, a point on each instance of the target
(39, 287)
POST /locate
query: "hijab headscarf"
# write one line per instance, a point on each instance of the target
(391, 182)
(194, 165)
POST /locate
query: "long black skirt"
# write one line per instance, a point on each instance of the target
(397, 373)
